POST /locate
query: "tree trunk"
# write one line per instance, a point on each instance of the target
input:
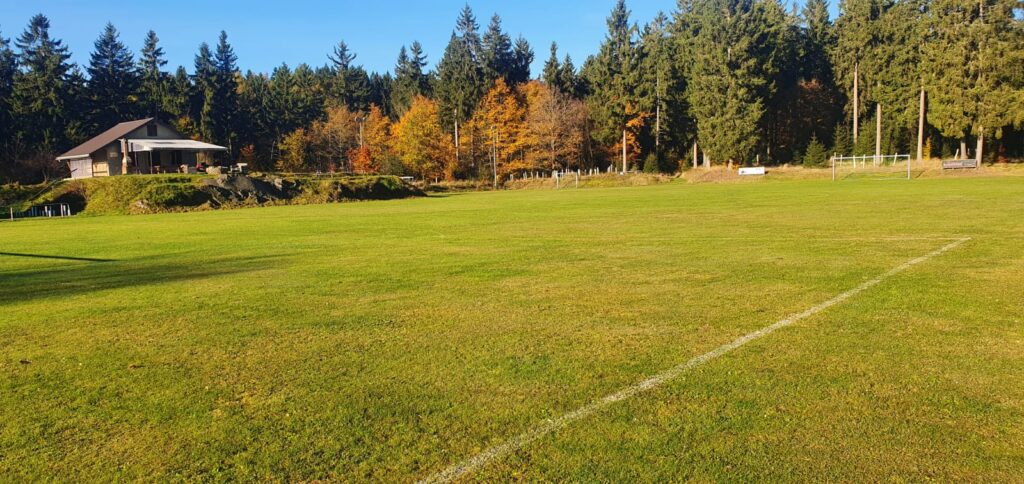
(657, 120)
(624, 167)
(920, 128)
(695, 154)
(457, 141)
(979, 152)
(856, 102)
(707, 162)
(963, 149)
(878, 133)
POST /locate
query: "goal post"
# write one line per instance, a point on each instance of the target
(882, 167)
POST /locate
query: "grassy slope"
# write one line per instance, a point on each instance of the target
(389, 340)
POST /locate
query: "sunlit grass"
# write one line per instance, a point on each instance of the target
(388, 340)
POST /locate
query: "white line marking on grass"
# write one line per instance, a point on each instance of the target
(474, 463)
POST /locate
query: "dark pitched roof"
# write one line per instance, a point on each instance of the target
(109, 136)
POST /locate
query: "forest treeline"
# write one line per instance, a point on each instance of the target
(720, 81)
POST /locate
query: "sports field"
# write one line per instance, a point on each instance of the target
(850, 331)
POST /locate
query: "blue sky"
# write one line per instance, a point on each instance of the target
(266, 33)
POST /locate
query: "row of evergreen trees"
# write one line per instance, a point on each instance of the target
(739, 81)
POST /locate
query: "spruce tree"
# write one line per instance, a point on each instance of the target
(661, 89)
(350, 84)
(569, 78)
(560, 75)
(8, 67)
(460, 80)
(818, 41)
(971, 62)
(522, 58)
(41, 93)
(409, 79)
(732, 63)
(854, 56)
(154, 82)
(553, 69)
(612, 74)
(114, 82)
(223, 105)
(179, 102)
(496, 56)
(203, 99)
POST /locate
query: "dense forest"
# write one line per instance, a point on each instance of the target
(720, 81)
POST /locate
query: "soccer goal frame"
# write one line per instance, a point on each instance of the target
(869, 162)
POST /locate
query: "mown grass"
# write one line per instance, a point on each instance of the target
(386, 341)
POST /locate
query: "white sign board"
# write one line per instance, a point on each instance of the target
(755, 171)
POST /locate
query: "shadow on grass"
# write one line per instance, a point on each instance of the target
(73, 280)
(57, 257)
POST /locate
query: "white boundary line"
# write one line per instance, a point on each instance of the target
(464, 468)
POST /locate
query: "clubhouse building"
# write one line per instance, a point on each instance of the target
(142, 147)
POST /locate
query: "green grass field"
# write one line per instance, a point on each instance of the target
(387, 341)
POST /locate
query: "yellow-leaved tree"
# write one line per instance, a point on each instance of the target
(294, 152)
(556, 128)
(421, 144)
(501, 120)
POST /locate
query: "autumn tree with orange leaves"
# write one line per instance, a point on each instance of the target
(500, 122)
(421, 144)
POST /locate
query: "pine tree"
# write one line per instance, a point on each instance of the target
(660, 88)
(222, 99)
(496, 56)
(154, 81)
(114, 82)
(842, 144)
(522, 59)
(553, 69)
(971, 57)
(818, 40)
(854, 57)
(179, 102)
(731, 71)
(460, 81)
(41, 93)
(613, 75)
(350, 84)
(409, 79)
(380, 92)
(201, 100)
(569, 79)
(816, 155)
(8, 68)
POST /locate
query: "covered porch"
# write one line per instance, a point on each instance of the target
(153, 156)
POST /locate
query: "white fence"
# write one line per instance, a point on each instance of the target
(48, 211)
(871, 164)
(873, 160)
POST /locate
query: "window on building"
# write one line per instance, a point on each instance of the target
(151, 130)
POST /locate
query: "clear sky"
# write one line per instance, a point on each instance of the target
(266, 33)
